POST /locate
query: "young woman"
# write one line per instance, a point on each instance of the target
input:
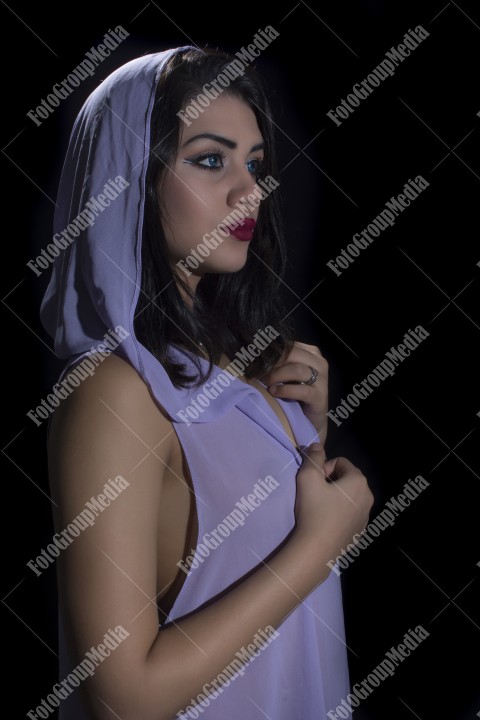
(194, 506)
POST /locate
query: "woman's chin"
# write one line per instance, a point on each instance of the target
(230, 267)
(228, 264)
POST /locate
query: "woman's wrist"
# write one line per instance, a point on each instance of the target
(312, 553)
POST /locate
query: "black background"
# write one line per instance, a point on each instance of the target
(334, 180)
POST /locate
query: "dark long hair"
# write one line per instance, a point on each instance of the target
(227, 308)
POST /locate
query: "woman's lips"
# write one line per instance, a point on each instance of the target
(244, 230)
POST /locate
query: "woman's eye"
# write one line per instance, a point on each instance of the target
(214, 161)
(210, 161)
(255, 166)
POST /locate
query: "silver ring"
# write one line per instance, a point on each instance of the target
(306, 382)
(313, 377)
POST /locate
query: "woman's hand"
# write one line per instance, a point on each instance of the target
(313, 398)
(332, 505)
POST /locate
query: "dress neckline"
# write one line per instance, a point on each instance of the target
(271, 414)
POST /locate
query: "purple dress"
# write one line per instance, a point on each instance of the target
(243, 465)
(301, 673)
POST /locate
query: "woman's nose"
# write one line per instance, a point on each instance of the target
(242, 184)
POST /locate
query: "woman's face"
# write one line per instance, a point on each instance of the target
(209, 178)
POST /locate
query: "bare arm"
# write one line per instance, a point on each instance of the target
(110, 426)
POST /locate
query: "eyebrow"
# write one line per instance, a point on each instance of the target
(225, 141)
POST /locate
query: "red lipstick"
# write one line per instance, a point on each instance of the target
(243, 230)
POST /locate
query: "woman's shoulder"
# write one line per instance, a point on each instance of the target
(112, 376)
(113, 393)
